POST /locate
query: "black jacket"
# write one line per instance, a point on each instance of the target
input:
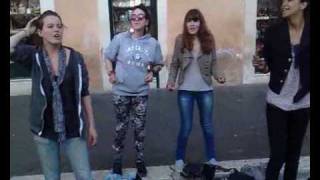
(32, 56)
(277, 53)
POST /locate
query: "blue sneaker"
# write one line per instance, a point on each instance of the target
(112, 176)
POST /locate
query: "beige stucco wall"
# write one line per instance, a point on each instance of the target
(233, 23)
(225, 19)
(82, 34)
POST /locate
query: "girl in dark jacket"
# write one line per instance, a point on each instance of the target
(61, 104)
(286, 57)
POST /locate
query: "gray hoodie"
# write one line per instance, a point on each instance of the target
(132, 57)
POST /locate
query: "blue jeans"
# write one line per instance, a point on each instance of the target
(76, 151)
(205, 105)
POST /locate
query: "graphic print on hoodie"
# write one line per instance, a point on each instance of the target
(132, 57)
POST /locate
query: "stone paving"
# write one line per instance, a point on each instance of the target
(168, 172)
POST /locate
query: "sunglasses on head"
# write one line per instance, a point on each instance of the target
(138, 17)
(194, 19)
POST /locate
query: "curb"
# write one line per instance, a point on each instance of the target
(167, 173)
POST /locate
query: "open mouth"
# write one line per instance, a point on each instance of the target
(58, 36)
(284, 9)
(136, 23)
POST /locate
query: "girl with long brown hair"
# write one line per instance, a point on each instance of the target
(194, 58)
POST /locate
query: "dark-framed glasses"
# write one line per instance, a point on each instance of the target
(138, 17)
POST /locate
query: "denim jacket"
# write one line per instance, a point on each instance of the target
(31, 56)
(181, 60)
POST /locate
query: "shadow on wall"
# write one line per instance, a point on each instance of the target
(230, 61)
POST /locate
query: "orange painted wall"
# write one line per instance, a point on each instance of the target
(225, 19)
(82, 33)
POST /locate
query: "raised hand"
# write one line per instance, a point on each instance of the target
(30, 27)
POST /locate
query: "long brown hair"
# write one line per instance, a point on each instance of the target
(206, 38)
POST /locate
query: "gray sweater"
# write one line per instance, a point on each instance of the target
(132, 57)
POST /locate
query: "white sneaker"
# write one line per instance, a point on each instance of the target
(179, 165)
(213, 161)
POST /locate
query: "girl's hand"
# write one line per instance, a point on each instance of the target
(112, 77)
(258, 62)
(149, 77)
(170, 87)
(30, 27)
(92, 136)
(221, 79)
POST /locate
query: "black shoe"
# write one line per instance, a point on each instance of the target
(208, 171)
(141, 169)
(137, 177)
(117, 168)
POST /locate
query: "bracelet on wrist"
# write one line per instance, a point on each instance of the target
(149, 68)
(110, 72)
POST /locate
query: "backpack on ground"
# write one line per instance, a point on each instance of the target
(198, 170)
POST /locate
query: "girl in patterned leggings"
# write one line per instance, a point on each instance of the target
(137, 56)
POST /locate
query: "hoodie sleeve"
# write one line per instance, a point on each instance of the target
(112, 49)
(158, 59)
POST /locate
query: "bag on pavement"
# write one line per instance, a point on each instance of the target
(192, 170)
(235, 174)
(208, 172)
(258, 172)
(197, 170)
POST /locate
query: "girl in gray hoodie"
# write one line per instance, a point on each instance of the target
(137, 56)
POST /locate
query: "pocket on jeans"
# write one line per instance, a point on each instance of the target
(42, 140)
